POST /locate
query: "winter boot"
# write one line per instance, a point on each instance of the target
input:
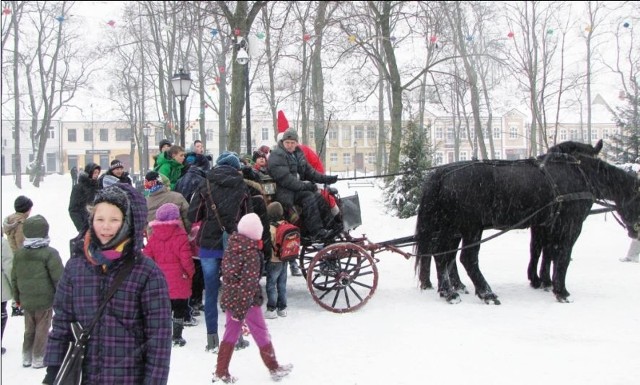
(222, 367)
(16, 311)
(242, 343)
(212, 343)
(276, 370)
(178, 325)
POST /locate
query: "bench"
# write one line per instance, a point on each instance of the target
(360, 183)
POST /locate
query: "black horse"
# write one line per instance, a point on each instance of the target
(537, 233)
(462, 199)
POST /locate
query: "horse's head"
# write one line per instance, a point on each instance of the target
(577, 148)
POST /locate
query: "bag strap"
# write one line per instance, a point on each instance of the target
(122, 274)
(215, 208)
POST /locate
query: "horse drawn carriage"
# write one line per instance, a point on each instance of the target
(552, 195)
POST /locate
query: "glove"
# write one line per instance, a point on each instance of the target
(309, 186)
(52, 372)
(331, 179)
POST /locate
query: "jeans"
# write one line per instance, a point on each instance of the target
(211, 273)
(276, 285)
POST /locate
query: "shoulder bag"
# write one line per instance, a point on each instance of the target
(70, 372)
(225, 233)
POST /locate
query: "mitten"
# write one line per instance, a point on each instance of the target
(309, 186)
(331, 179)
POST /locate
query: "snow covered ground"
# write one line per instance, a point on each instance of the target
(404, 335)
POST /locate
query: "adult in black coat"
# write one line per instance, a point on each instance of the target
(196, 173)
(82, 194)
(296, 185)
(224, 186)
(116, 169)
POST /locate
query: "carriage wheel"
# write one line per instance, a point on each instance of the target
(342, 277)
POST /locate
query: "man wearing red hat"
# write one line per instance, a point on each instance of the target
(296, 181)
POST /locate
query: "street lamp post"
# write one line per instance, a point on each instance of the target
(355, 153)
(242, 57)
(181, 83)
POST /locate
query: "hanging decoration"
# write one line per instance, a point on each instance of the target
(306, 37)
(60, 18)
(626, 24)
(469, 38)
(111, 23)
(549, 31)
(217, 79)
(237, 32)
(587, 28)
(352, 38)
(214, 32)
(392, 38)
(6, 11)
(260, 35)
(221, 69)
(510, 35)
(433, 39)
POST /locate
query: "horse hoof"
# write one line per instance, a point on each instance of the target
(490, 298)
(454, 298)
(563, 299)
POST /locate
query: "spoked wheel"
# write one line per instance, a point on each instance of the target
(342, 277)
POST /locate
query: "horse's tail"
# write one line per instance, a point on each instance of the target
(426, 222)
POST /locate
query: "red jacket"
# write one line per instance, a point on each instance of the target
(169, 247)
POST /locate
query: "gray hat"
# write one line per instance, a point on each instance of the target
(290, 135)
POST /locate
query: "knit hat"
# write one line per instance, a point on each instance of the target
(115, 164)
(154, 181)
(22, 204)
(264, 149)
(168, 212)
(283, 125)
(117, 197)
(258, 154)
(250, 226)
(290, 135)
(275, 211)
(229, 158)
(35, 227)
(164, 142)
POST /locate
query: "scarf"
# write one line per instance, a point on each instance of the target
(104, 258)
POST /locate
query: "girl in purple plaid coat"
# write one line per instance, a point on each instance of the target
(131, 343)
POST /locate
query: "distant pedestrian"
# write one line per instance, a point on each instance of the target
(82, 194)
(116, 169)
(37, 267)
(74, 175)
(170, 164)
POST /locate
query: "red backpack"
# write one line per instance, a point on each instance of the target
(287, 244)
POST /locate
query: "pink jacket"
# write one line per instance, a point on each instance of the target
(169, 247)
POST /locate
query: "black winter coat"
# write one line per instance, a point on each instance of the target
(82, 194)
(189, 182)
(125, 178)
(231, 196)
(289, 170)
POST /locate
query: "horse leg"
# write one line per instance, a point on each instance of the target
(456, 282)
(425, 272)
(545, 269)
(535, 248)
(560, 267)
(469, 259)
(445, 263)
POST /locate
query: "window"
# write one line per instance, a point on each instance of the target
(104, 135)
(346, 134)
(51, 132)
(346, 159)
(264, 133)
(497, 134)
(437, 158)
(371, 157)
(209, 135)
(463, 134)
(123, 134)
(370, 132)
(333, 158)
(513, 132)
(594, 134)
(496, 155)
(72, 161)
(605, 134)
(88, 135)
(563, 135)
(333, 134)
(573, 134)
(195, 135)
(438, 132)
(71, 135)
(51, 161)
(463, 155)
(449, 134)
(359, 132)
